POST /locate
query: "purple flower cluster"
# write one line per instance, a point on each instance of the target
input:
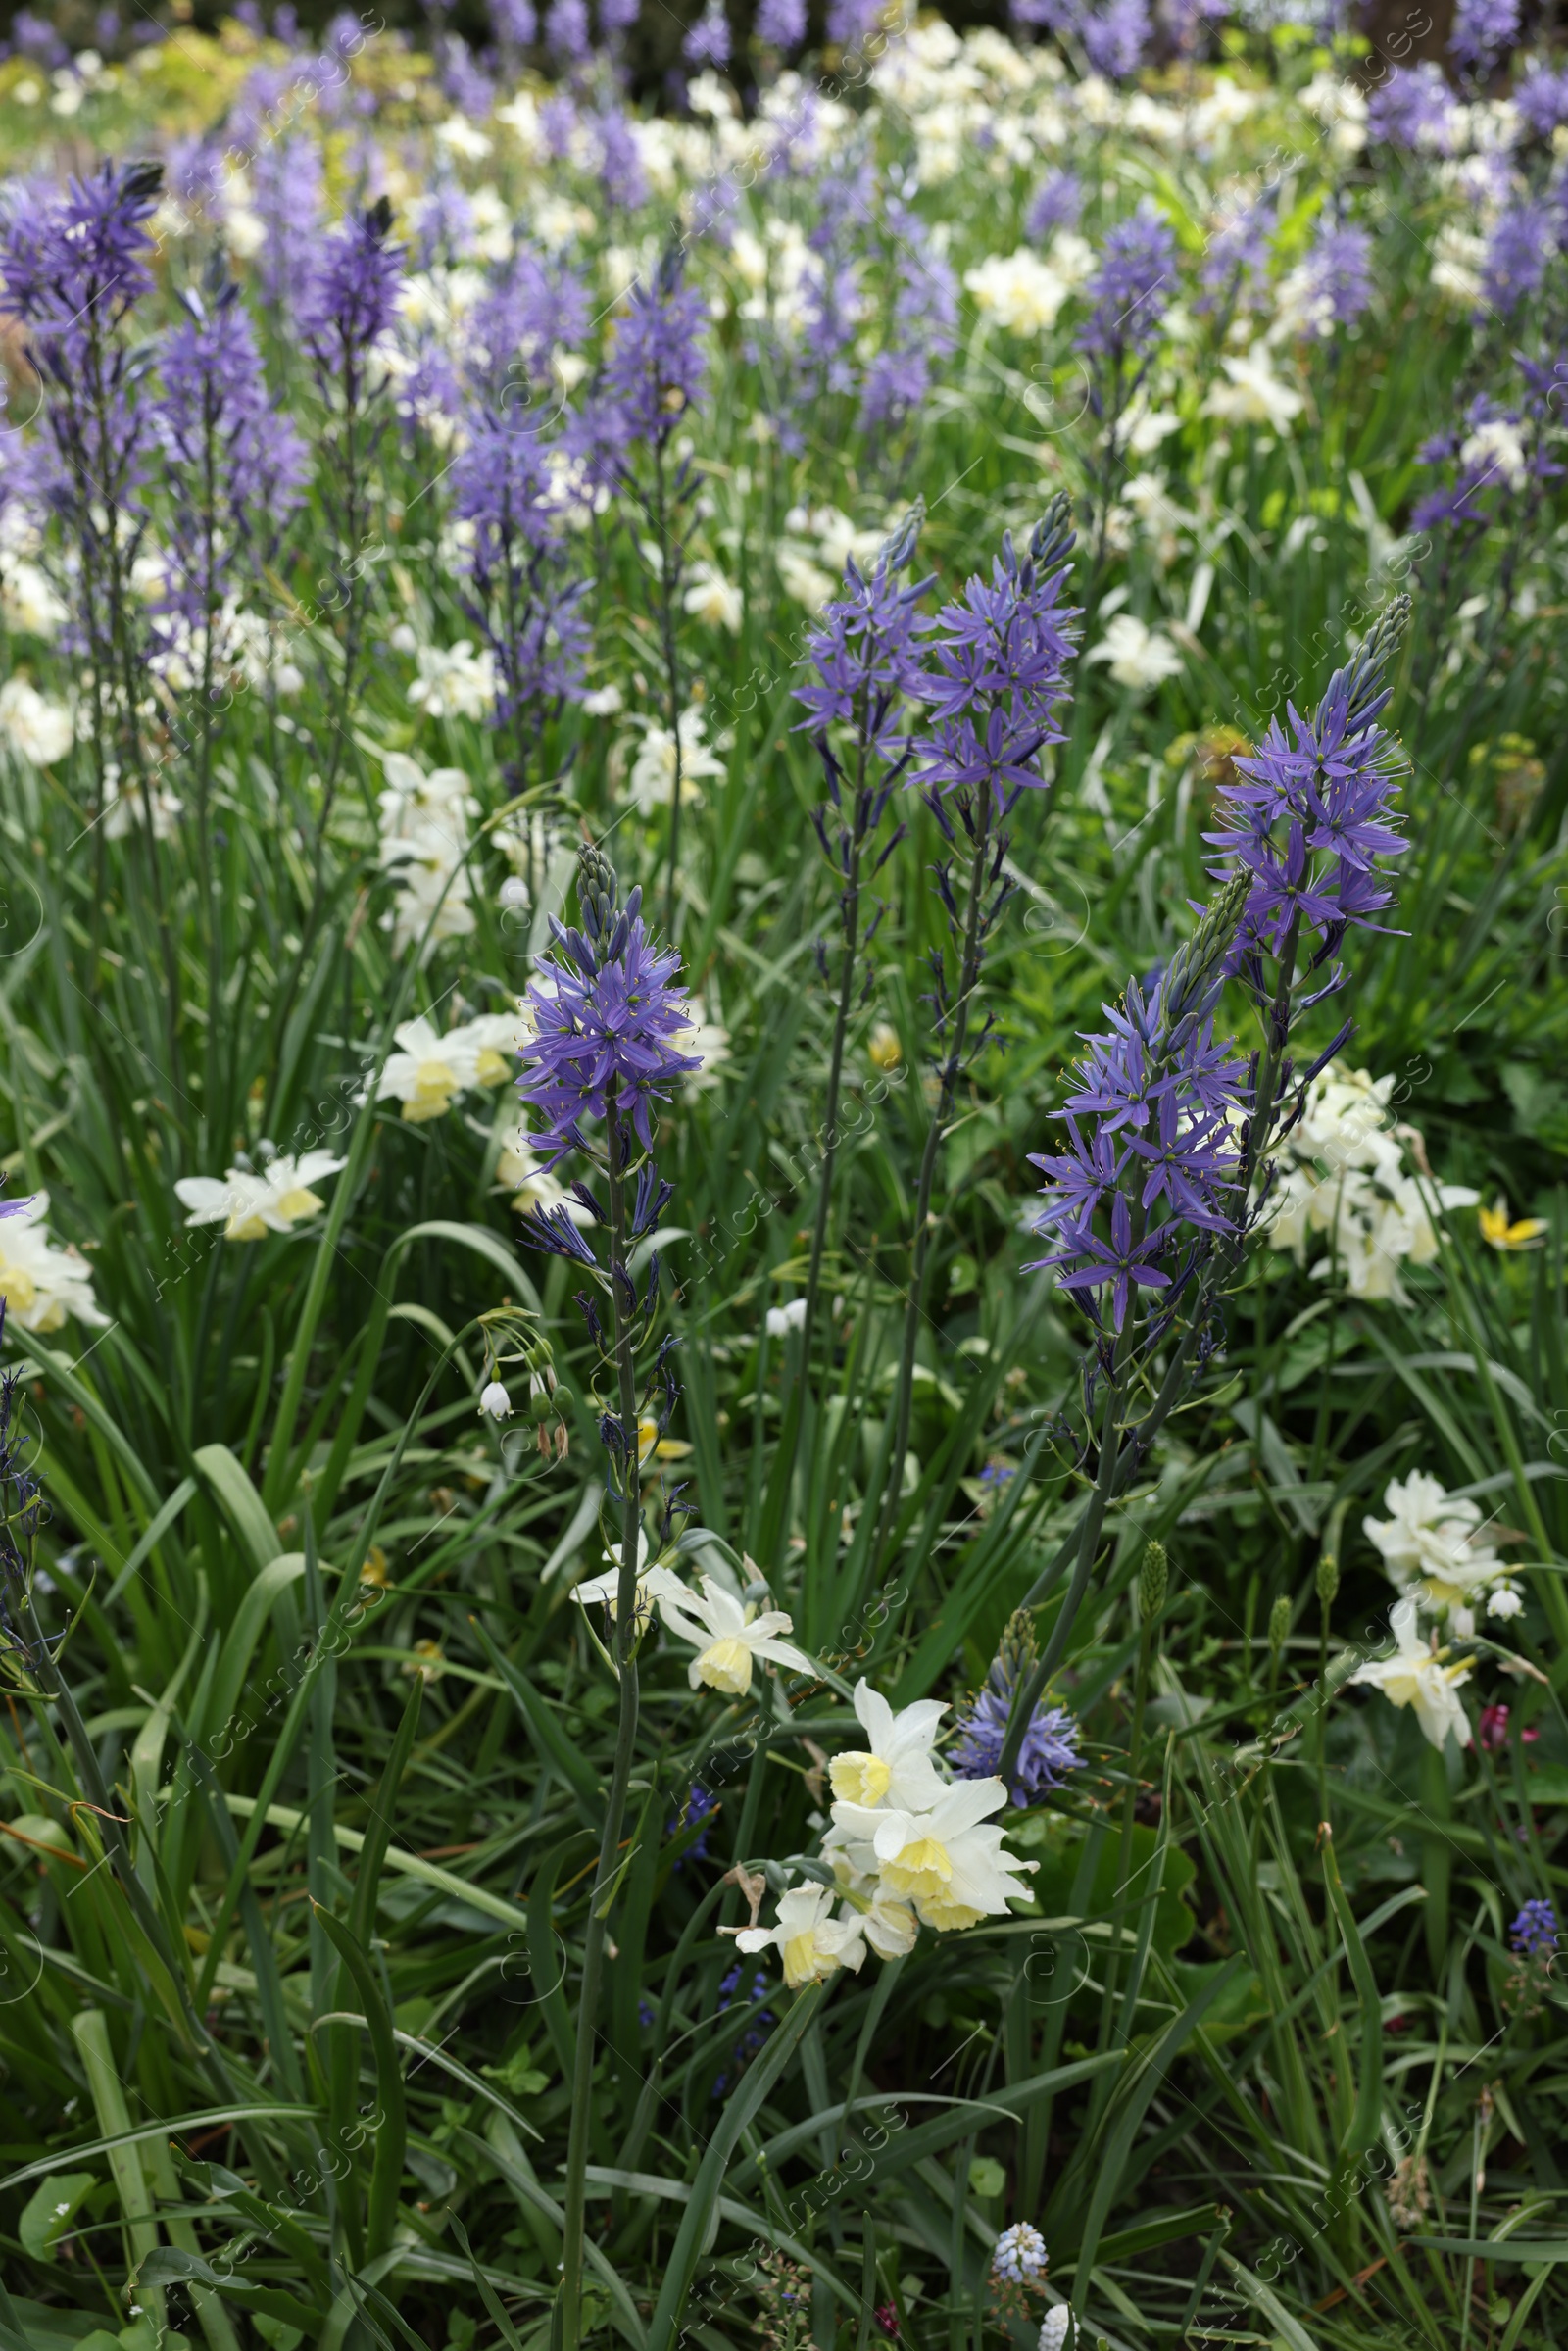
(1518, 250)
(1150, 1137)
(605, 1012)
(351, 297)
(1339, 270)
(235, 462)
(1414, 108)
(708, 40)
(1130, 289)
(1235, 268)
(999, 673)
(1050, 1749)
(750, 2041)
(1313, 812)
(289, 201)
(1533, 1933)
(866, 650)
(1493, 455)
(526, 600)
(1057, 203)
(923, 323)
(781, 24)
(1115, 36)
(657, 365)
(74, 265)
(1542, 98)
(1484, 30)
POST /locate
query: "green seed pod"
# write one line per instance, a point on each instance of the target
(1279, 1624)
(1152, 1578)
(1328, 1578)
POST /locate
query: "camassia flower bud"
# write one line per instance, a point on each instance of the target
(1152, 1577)
(1279, 1625)
(1328, 1578)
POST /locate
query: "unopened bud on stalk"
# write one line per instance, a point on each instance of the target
(1279, 1624)
(1328, 1578)
(1152, 1578)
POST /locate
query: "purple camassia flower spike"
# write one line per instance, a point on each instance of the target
(1414, 108)
(290, 200)
(1057, 203)
(1517, 253)
(604, 1012)
(1001, 672)
(1130, 289)
(1314, 811)
(1048, 1751)
(924, 318)
(781, 24)
(75, 264)
(525, 598)
(707, 42)
(1161, 1095)
(1114, 38)
(1541, 99)
(864, 650)
(657, 365)
(227, 448)
(352, 297)
(1484, 30)
(1339, 264)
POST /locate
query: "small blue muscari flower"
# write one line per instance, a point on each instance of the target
(1533, 1933)
(1020, 2254)
(694, 1815)
(645, 2014)
(1050, 1749)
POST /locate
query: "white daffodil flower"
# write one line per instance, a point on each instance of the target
(1432, 1546)
(654, 1585)
(248, 1204)
(1416, 1676)
(945, 1861)
(814, 1944)
(1140, 656)
(41, 1284)
(894, 1767)
(430, 1068)
(728, 1636)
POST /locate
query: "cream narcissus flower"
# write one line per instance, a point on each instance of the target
(947, 1861)
(654, 1585)
(250, 1203)
(1254, 394)
(1416, 1676)
(1434, 1550)
(429, 1068)
(895, 1766)
(652, 782)
(41, 1284)
(814, 1944)
(729, 1634)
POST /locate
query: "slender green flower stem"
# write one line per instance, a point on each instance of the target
(790, 1435)
(1147, 1632)
(914, 1310)
(568, 2334)
(671, 654)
